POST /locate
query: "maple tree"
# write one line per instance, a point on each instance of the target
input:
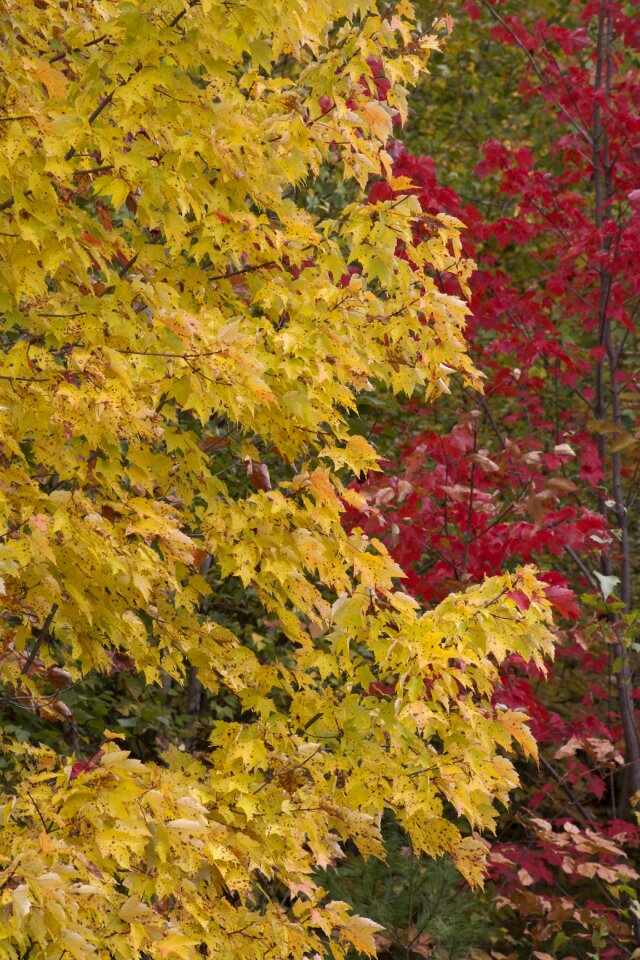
(183, 343)
(542, 467)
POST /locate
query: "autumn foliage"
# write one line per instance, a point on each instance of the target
(543, 467)
(185, 340)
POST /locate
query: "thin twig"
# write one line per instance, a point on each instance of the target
(42, 637)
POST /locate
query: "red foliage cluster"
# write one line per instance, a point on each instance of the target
(537, 470)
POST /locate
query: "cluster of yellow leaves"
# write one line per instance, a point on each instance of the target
(185, 858)
(170, 310)
(135, 858)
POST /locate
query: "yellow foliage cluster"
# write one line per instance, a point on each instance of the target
(172, 308)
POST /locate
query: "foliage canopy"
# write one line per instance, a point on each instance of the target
(175, 321)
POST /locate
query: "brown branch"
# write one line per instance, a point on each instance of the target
(583, 570)
(567, 789)
(494, 13)
(42, 820)
(42, 637)
(603, 193)
(7, 879)
(178, 17)
(482, 400)
(124, 270)
(98, 110)
(250, 269)
(170, 356)
(472, 479)
(91, 43)
(102, 169)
